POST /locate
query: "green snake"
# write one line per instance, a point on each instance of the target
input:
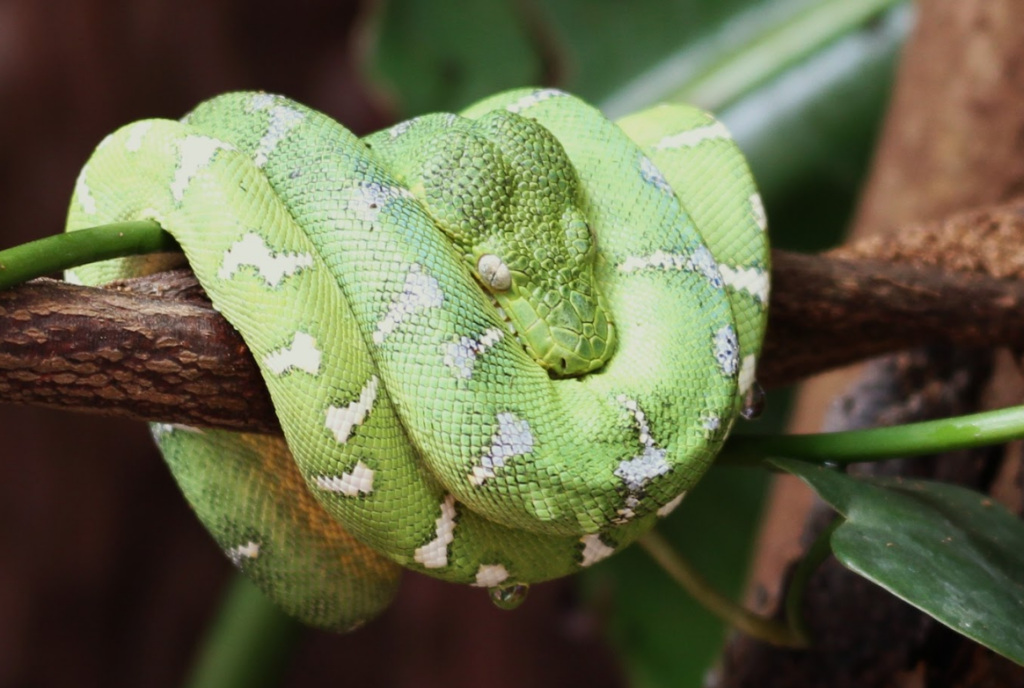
(500, 344)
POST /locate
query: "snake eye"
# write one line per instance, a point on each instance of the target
(494, 272)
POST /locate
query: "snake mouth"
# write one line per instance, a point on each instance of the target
(508, 321)
(515, 333)
(554, 359)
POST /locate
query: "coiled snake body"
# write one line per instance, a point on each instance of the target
(500, 344)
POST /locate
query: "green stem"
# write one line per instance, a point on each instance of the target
(879, 444)
(718, 604)
(71, 249)
(248, 645)
(813, 559)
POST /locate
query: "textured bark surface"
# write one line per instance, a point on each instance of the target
(954, 139)
(128, 354)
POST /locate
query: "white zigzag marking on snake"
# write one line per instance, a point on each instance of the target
(158, 430)
(461, 356)
(352, 484)
(301, 354)
(757, 211)
(434, 554)
(136, 134)
(638, 471)
(369, 200)
(342, 419)
(694, 137)
(489, 575)
(84, 195)
(727, 350)
(402, 127)
(513, 438)
(420, 291)
(754, 281)
(671, 505)
(652, 175)
(748, 370)
(195, 152)
(282, 120)
(594, 550)
(701, 260)
(261, 101)
(273, 267)
(534, 98)
(248, 551)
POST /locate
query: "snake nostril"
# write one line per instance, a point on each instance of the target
(565, 364)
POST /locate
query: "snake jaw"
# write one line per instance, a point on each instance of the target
(504, 316)
(561, 339)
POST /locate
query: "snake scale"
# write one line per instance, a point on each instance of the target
(501, 344)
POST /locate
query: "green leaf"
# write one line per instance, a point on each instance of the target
(953, 553)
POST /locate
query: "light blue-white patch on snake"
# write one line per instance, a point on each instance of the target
(500, 344)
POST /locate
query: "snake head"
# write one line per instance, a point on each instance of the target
(555, 309)
(505, 192)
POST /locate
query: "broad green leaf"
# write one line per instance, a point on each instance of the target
(953, 553)
(609, 44)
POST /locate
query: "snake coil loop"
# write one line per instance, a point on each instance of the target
(500, 344)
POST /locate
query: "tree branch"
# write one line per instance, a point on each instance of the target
(154, 349)
(149, 349)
